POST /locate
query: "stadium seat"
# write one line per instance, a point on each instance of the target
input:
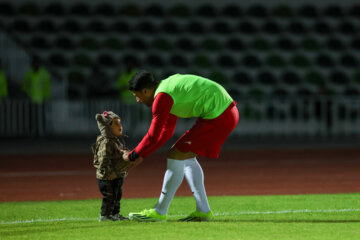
(202, 61)
(72, 26)
(195, 27)
(247, 27)
(354, 10)
(6, 9)
(29, 9)
(218, 77)
(154, 61)
(266, 78)
(275, 61)
(46, 26)
(135, 61)
(96, 27)
(232, 11)
(106, 60)
(333, 11)
(283, 11)
(226, 61)
(304, 92)
(271, 28)
(64, 43)
(180, 11)
(355, 43)
(210, 44)
(146, 27)
(310, 44)
(352, 92)
(300, 61)
(130, 10)
(335, 44)
(105, 10)
(170, 27)
(82, 60)
(324, 61)
(162, 44)
(286, 44)
(297, 28)
(221, 27)
(80, 9)
(185, 44)
(120, 27)
(75, 77)
(137, 43)
(58, 60)
(89, 43)
(348, 28)
(339, 78)
(235, 44)
(154, 10)
(39, 43)
(207, 11)
(242, 78)
(308, 11)
(349, 61)
(251, 61)
(257, 11)
(261, 44)
(54, 9)
(113, 43)
(322, 28)
(290, 78)
(21, 26)
(314, 78)
(179, 61)
(280, 92)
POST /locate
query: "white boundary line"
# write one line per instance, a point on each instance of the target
(216, 214)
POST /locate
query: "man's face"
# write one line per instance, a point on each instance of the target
(145, 96)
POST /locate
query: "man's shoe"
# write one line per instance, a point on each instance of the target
(105, 218)
(119, 217)
(147, 215)
(198, 217)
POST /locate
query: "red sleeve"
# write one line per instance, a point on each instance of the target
(162, 126)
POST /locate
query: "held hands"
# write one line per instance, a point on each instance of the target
(126, 158)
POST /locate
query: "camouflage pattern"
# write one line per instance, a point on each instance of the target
(108, 159)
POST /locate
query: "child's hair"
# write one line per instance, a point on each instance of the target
(142, 79)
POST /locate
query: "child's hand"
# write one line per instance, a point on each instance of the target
(125, 155)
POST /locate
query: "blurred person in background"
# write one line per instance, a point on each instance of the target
(122, 83)
(3, 83)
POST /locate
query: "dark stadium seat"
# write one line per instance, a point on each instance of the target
(221, 27)
(97, 27)
(257, 11)
(314, 78)
(322, 27)
(54, 9)
(21, 26)
(247, 27)
(235, 44)
(339, 78)
(105, 10)
(40, 43)
(251, 61)
(135, 61)
(162, 44)
(202, 61)
(304, 92)
(283, 11)
(335, 44)
(297, 27)
(170, 27)
(333, 11)
(286, 44)
(354, 10)
(324, 61)
(106, 60)
(207, 11)
(275, 61)
(6, 9)
(146, 27)
(180, 11)
(218, 77)
(72, 26)
(280, 92)
(310, 44)
(272, 28)
(210, 44)
(266, 78)
(352, 92)
(355, 43)
(130, 10)
(290, 78)
(46, 26)
(64, 43)
(185, 44)
(348, 28)
(137, 43)
(89, 43)
(113, 43)
(242, 78)
(349, 61)
(300, 61)
(82, 60)
(80, 9)
(232, 11)
(154, 10)
(75, 77)
(226, 61)
(155, 61)
(179, 61)
(261, 44)
(29, 9)
(120, 27)
(308, 11)
(195, 27)
(58, 60)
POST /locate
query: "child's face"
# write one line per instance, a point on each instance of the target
(116, 127)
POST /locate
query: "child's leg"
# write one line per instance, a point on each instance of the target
(106, 190)
(117, 187)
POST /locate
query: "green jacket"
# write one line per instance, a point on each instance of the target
(3, 85)
(37, 85)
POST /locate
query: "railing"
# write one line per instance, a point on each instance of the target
(310, 117)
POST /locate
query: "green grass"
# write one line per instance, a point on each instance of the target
(323, 216)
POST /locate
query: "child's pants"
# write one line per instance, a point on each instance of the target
(112, 192)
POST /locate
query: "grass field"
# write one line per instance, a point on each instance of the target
(323, 216)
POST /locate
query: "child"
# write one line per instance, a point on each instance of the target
(111, 169)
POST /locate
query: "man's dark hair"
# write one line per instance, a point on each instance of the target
(142, 79)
